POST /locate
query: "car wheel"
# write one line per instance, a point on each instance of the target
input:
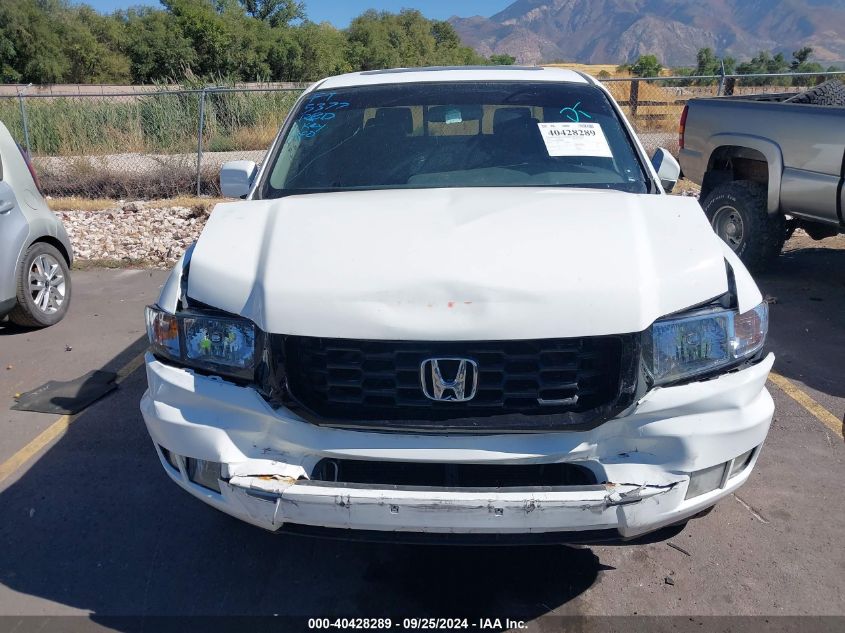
(43, 287)
(738, 212)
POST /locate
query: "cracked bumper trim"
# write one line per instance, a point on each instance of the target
(430, 510)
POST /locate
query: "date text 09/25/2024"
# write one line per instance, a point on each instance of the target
(414, 623)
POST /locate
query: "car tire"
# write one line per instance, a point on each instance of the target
(829, 93)
(43, 287)
(738, 212)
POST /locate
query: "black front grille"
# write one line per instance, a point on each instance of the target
(452, 475)
(549, 381)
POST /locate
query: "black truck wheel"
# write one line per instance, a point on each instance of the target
(738, 212)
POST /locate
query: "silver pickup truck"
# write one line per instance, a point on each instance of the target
(768, 164)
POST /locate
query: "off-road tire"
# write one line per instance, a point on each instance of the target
(762, 234)
(26, 313)
(829, 93)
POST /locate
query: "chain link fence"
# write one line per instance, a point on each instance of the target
(157, 144)
(166, 143)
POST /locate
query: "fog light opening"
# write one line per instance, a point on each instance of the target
(204, 473)
(172, 459)
(741, 462)
(706, 480)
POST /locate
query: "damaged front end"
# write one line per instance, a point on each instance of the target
(611, 430)
(566, 514)
(340, 500)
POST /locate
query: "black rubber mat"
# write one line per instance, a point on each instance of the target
(67, 397)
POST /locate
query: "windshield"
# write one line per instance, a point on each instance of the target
(459, 134)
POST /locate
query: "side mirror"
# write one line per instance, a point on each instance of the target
(667, 168)
(236, 178)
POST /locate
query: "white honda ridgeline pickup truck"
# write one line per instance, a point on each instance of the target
(457, 304)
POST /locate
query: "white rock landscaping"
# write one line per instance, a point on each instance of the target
(144, 233)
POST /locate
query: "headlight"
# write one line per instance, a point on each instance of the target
(681, 347)
(219, 344)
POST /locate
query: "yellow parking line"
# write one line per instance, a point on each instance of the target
(801, 397)
(57, 428)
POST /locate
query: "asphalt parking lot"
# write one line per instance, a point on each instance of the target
(91, 525)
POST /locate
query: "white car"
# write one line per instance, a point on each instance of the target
(458, 304)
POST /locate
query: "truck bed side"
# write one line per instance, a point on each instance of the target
(797, 151)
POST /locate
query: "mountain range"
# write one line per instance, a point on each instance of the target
(617, 31)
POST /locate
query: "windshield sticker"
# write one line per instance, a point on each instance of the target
(318, 112)
(574, 114)
(453, 116)
(575, 139)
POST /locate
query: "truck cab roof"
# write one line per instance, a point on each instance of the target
(453, 73)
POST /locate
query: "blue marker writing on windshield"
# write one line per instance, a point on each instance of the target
(576, 114)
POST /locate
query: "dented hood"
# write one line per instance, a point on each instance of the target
(457, 264)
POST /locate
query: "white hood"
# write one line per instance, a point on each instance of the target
(458, 264)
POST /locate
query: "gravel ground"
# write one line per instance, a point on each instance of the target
(137, 163)
(134, 233)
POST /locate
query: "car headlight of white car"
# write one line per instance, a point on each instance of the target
(690, 345)
(215, 343)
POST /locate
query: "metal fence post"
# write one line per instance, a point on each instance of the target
(24, 119)
(199, 141)
(634, 99)
(720, 90)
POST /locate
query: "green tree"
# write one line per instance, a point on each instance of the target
(285, 55)
(156, 45)
(764, 63)
(202, 25)
(645, 66)
(801, 56)
(48, 41)
(801, 62)
(208, 40)
(226, 42)
(502, 60)
(445, 35)
(91, 44)
(386, 40)
(276, 12)
(322, 52)
(30, 47)
(710, 64)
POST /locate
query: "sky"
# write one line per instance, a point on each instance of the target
(340, 12)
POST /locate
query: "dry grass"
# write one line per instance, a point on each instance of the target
(74, 203)
(650, 118)
(686, 186)
(257, 137)
(164, 123)
(92, 264)
(108, 177)
(592, 69)
(611, 69)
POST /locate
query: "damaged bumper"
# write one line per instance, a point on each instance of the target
(368, 507)
(266, 458)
